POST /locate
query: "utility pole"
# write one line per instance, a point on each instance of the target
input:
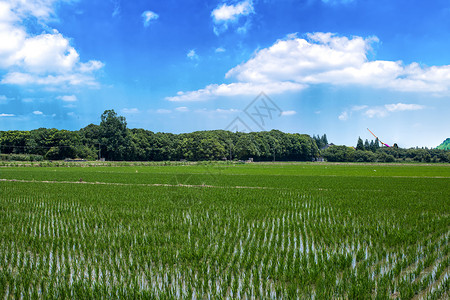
(99, 152)
(229, 143)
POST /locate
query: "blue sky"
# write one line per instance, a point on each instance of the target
(335, 67)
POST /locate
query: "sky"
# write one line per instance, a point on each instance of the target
(306, 66)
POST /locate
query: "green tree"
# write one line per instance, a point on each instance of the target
(360, 144)
(114, 136)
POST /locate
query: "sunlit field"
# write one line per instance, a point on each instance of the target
(238, 231)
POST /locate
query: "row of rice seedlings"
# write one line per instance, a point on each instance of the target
(97, 240)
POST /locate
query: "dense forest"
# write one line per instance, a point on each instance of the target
(112, 140)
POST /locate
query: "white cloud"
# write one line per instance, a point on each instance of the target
(59, 80)
(37, 112)
(90, 66)
(225, 14)
(192, 55)
(343, 116)
(130, 110)
(327, 58)
(236, 89)
(7, 115)
(403, 107)
(149, 16)
(358, 107)
(68, 98)
(41, 9)
(182, 109)
(383, 111)
(38, 59)
(71, 114)
(288, 113)
(217, 111)
(322, 58)
(220, 50)
(163, 111)
(116, 10)
(3, 98)
(379, 111)
(46, 53)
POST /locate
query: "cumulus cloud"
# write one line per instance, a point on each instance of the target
(37, 112)
(322, 58)
(68, 98)
(149, 16)
(44, 59)
(226, 14)
(220, 50)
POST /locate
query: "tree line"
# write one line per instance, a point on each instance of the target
(112, 140)
(373, 152)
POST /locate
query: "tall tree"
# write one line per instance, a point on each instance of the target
(115, 138)
(360, 144)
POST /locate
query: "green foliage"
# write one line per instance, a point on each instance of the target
(114, 136)
(114, 141)
(21, 157)
(385, 154)
(445, 145)
(360, 145)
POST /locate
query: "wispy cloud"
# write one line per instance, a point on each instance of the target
(130, 110)
(149, 16)
(68, 98)
(116, 11)
(192, 55)
(220, 50)
(7, 115)
(288, 113)
(182, 109)
(403, 107)
(379, 111)
(163, 111)
(343, 116)
(37, 112)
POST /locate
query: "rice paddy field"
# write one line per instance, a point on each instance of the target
(236, 231)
